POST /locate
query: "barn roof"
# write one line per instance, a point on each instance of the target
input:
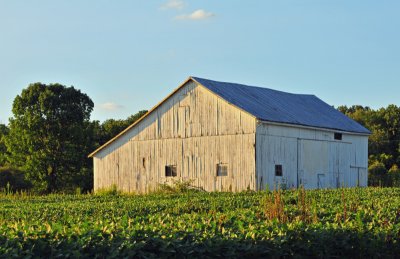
(270, 106)
(281, 107)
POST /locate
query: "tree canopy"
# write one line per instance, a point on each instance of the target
(384, 142)
(48, 134)
(111, 127)
(3, 149)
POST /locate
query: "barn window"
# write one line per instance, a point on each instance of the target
(222, 169)
(338, 136)
(278, 170)
(170, 171)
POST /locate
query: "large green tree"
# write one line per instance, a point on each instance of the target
(48, 135)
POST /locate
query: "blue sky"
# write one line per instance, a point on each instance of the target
(128, 55)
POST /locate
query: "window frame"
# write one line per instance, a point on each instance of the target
(171, 171)
(222, 169)
(279, 170)
(337, 136)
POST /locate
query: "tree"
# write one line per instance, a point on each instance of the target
(48, 135)
(384, 124)
(13, 179)
(112, 127)
(133, 118)
(3, 149)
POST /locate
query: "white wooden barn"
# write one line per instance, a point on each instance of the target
(233, 137)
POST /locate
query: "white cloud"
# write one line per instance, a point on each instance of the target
(173, 4)
(110, 106)
(196, 15)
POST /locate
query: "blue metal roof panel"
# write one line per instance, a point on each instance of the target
(276, 106)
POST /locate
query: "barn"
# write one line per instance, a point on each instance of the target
(233, 137)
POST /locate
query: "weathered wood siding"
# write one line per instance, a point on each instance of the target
(309, 157)
(193, 129)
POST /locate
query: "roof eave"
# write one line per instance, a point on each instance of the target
(139, 120)
(313, 127)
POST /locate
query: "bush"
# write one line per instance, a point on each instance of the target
(111, 191)
(394, 175)
(13, 180)
(178, 186)
(377, 174)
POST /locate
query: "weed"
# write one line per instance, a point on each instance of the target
(178, 186)
(274, 206)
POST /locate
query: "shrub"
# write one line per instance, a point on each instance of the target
(178, 186)
(111, 191)
(377, 174)
(394, 175)
(13, 180)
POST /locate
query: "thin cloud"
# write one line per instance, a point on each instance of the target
(173, 4)
(199, 14)
(110, 106)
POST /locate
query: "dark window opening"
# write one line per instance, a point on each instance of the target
(170, 171)
(222, 170)
(338, 136)
(278, 170)
(144, 162)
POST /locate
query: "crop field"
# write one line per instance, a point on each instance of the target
(360, 222)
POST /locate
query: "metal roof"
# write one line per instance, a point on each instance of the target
(280, 107)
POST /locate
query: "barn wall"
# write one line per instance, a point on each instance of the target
(194, 130)
(309, 157)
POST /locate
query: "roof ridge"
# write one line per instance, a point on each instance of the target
(245, 85)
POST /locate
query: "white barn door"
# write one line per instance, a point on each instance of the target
(323, 164)
(313, 162)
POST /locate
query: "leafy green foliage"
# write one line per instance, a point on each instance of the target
(105, 131)
(112, 191)
(14, 178)
(377, 174)
(394, 175)
(3, 149)
(353, 223)
(384, 143)
(178, 186)
(134, 117)
(48, 135)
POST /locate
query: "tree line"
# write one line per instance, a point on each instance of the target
(45, 145)
(383, 144)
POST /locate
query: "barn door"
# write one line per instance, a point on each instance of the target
(312, 163)
(357, 176)
(340, 164)
(362, 177)
(323, 164)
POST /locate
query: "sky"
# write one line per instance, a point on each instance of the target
(128, 55)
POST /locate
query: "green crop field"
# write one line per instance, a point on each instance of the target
(361, 222)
